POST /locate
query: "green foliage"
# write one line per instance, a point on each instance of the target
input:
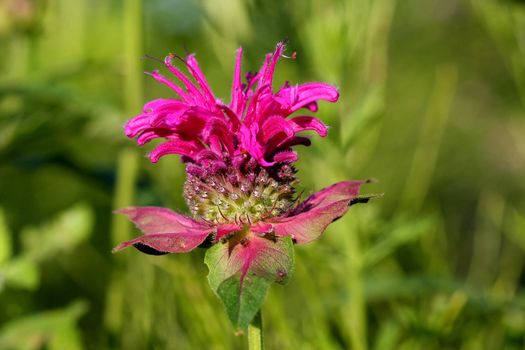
(41, 243)
(242, 306)
(54, 330)
(431, 105)
(5, 240)
(243, 295)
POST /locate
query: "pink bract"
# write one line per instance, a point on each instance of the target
(168, 232)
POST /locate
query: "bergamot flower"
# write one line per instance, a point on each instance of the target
(240, 185)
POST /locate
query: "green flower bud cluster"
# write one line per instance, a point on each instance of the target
(233, 197)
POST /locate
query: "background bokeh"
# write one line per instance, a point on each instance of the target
(432, 106)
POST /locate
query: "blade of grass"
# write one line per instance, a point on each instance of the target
(431, 136)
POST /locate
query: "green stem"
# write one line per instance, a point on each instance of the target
(128, 160)
(255, 333)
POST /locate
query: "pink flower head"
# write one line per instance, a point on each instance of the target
(240, 180)
(203, 129)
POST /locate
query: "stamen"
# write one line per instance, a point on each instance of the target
(293, 56)
(153, 59)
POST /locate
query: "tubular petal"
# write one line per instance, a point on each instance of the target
(136, 125)
(184, 148)
(195, 70)
(285, 157)
(303, 123)
(146, 137)
(311, 92)
(161, 79)
(273, 126)
(233, 118)
(267, 76)
(293, 98)
(192, 89)
(236, 103)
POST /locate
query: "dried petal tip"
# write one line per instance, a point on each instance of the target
(365, 198)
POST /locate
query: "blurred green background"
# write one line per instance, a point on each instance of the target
(432, 105)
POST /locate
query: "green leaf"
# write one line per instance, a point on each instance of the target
(240, 274)
(62, 234)
(21, 273)
(55, 329)
(242, 305)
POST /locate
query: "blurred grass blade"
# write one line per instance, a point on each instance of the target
(430, 138)
(363, 117)
(128, 160)
(398, 234)
(5, 239)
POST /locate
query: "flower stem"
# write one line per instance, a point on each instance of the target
(255, 333)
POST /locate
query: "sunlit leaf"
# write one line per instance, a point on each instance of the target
(60, 235)
(21, 273)
(52, 328)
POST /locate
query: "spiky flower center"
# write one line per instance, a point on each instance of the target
(234, 196)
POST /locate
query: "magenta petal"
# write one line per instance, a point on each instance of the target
(157, 103)
(195, 70)
(267, 73)
(302, 123)
(146, 137)
(309, 220)
(273, 126)
(312, 107)
(285, 157)
(233, 119)
(294, 98)
(161, 79)
(192, 89)
(184, 148)
(136, 125)
(156, 116)
(165, 230)
(296, 140)
(218, 127)
(236, 103)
